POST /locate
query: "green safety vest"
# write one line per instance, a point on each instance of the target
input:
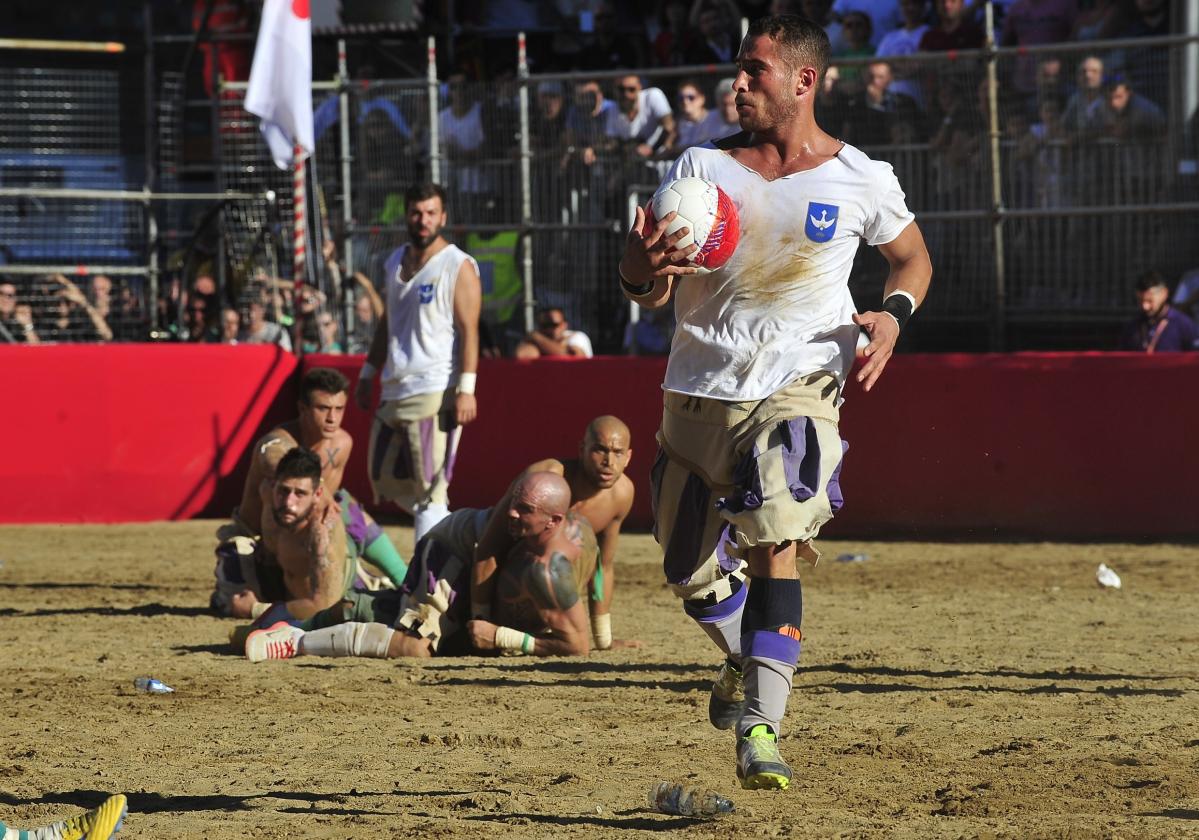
(503, 290)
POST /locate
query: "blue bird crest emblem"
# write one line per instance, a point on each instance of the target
(426, 293)
(820, 222)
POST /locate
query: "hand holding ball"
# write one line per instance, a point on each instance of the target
(706, 211)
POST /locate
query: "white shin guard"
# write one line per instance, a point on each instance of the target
(354, 638)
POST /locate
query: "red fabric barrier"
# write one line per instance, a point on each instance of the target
(132, 432)
(1023, 445)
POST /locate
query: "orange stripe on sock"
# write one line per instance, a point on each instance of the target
(791, 632)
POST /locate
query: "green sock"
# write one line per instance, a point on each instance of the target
(383, 555)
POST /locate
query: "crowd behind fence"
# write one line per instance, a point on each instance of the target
(1092, 155)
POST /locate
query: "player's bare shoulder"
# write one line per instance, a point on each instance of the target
(273, 446)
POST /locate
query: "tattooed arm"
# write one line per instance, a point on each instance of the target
(324, 550)
(334, 458)
(539, 596)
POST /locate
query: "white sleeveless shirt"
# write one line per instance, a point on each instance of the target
(422, 347)
(780, 308)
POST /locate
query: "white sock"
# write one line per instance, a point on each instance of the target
(354, 638)
(425, 517)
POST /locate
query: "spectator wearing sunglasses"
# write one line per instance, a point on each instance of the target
(553, 337)
(697, 124)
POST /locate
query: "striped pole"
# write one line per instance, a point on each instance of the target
(299, 212)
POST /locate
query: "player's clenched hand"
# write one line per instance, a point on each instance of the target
(466, 408)
(241, 604)
(482, 634)
(363, 393)
(652, 253)
(883, 332)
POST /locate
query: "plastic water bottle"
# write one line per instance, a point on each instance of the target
(688, 801)
(152, 686)
(853, 557)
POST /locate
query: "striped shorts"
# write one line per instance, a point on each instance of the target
(732, 475)
(413, 445)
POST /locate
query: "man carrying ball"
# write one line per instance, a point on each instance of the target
(750, 452)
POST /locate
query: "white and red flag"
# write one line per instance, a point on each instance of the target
(280, 88)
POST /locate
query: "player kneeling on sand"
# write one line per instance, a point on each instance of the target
(242, 564)
(536, 607)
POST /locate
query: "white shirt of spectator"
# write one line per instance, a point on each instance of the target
(422, 352)
(711, 127)
(884, 15)
(644, 127)
(780, 308)
(579, 341)
(465, 132)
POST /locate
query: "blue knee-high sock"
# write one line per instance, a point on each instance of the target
(722, 620)
(769, 649)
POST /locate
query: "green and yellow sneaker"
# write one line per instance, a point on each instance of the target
(97, 824)
(727, 703)
(759, 765)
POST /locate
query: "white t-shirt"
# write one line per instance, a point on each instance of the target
(652, 106)
(579, 341)
(422, 350)
(780, 308)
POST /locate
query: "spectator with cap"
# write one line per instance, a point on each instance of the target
(1159, 327)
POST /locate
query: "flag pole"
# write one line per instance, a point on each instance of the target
(299, 243)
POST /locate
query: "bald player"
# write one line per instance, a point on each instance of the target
(317, 427)
(536, 604)
(600, 492)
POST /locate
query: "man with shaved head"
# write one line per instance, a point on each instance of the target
(600, 492)
(536, 606)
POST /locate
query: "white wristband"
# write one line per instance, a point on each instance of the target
(514, 640)
(259, 608)
(601, 631)
(368, 372)
(466, 382)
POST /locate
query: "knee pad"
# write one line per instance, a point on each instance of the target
(711, 591)
(710, 608)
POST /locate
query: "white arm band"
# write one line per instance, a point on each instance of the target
(466, 382)
(601, 631)
(514, 640)
(368, 371)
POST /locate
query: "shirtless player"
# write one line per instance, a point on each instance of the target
(322, 403)
(537, 606)
(599, 491)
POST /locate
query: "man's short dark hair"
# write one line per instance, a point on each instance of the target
(299, 463)
(322, 379)
(801, 41)
(423, 192)
(1150, 279)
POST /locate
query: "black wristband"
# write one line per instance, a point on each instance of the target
(898, 306)
(637, 291)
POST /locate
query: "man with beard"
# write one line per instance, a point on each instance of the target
(428, 350)
(242, 564)
(537, 608)
(1159, 328)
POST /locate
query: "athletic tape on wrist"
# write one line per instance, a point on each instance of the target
(900, 305)
(508, 639)
(601, 631)
(259, 608)
(466, 382)
(368, 371)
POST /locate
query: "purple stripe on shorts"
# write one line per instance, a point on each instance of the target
(836, 498)
(355, 520)
(655, 487)
(451, 453)
(383, 436)
(426, 448)
(801, 457)
(682, 552)
(727, 562)
(717, 611)
(767, 644)
(748, 481)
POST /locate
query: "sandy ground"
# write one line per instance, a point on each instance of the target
(959, 690)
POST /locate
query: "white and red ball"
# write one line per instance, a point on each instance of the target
(706, 211)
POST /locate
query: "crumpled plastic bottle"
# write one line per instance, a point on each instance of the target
(152, 686)
(1107, 577)
(687, 800)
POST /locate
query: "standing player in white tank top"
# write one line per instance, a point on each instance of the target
(427, 347)
(750, 454)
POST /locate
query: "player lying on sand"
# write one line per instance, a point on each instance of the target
(537, 607)
(241, 564)
(600, 492)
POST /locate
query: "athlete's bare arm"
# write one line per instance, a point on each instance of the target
(263, 459)
(335, 454)
(608, 537)
(468, 302)
(651, 259)
(313, 561)
(376, 357)
(911, 272)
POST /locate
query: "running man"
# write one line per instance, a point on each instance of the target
(537, 607)
(317, 428)
(750, 451)
(428, 349)
(600, 492)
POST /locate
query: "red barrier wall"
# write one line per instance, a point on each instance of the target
(1024, 445)
(131, 432)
